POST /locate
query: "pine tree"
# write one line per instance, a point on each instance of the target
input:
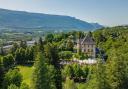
(55, 63)
(14, 48)
(51, 52)
(20, 56)
(23, 44)
(101, 76)
(117, 72)
(2, 52)
(41, 44)
(98, 78)
(1, 74)
(58, 79)
(43, 75)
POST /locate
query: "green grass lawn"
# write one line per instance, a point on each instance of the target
(26, 71)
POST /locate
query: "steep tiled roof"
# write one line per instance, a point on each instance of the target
(88, 39)
(79, 40)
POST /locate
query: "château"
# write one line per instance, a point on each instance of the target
(87, 45)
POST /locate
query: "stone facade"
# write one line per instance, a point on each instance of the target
(87, 45)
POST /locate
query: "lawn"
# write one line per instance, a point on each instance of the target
(26, 71)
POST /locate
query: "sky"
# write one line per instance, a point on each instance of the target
(105, 12)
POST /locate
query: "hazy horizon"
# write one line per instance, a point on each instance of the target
(108, 13)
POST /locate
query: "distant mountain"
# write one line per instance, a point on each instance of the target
(25, 20)
(96, 25)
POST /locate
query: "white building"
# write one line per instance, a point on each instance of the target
(87, 45)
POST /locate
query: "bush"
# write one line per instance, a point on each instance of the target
(12, 86)
(80, 56)
(12, 77)
(8, 61)
(76, 72)
(24, 86)
(69, 84)
(65, 55)
(67, 72)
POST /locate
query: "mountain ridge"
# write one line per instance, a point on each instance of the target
(22, 19)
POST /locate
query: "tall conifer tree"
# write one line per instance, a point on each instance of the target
(117, 71)
(43, 75)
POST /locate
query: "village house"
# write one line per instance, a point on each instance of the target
(87, 45)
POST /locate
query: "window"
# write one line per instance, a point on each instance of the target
(92, 46)
(88, 50)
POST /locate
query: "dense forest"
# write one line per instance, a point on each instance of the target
(44, 57)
